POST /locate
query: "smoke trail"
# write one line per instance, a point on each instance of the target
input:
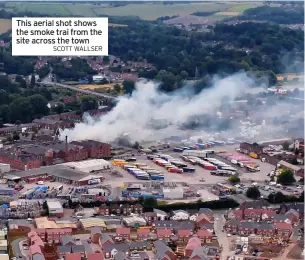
(147, 108)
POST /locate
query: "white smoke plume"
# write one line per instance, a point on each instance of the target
(135, 114)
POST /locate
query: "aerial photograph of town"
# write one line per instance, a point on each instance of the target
(185, 142)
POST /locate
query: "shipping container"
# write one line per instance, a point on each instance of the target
(153, 172)
(210, 167)
(157, 177)
(186, 169)
(176, 170)
(197, 153)
(140, 164)
(128, 166)
(253, 155)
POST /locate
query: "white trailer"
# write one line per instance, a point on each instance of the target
(200, 154)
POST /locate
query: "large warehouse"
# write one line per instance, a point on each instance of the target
(89, 166)
(60, 173)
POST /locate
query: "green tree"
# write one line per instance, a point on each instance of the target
(88, 103)
(285, 146)
(129, 86)
(39, 105)
(150, 202)
(117, 88)
(106, 59)
(253, 193)
(9, 138)
(286, 177)
(278, 197)
(234, 179)
(58, 108)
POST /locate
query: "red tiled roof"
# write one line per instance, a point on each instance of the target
(253, 211)
(59, 230)
(193, 243)
(237, 212)
(163, 232)
(35, 249)
(95, 256)
(74, 256)
(184, 232)
(269, 212)
(204, 233)
(123, 231)
(283, 225)
(143, 231)
(203, 216)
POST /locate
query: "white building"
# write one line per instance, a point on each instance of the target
(176, 193)
(4, 168)
(180, 215)
(89, 166)
(55, 208)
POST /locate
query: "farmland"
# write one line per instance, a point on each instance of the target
(92, 86)
(5, 25)
(149, 11)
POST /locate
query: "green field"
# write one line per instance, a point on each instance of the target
(150, 11)
(153, 11)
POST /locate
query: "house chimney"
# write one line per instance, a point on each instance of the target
(66, 146)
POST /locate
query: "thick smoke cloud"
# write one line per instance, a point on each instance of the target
(151, 115)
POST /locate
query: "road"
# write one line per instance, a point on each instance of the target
(222, 236)
(16, 248)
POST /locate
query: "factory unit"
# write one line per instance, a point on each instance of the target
(4, 168)
(89, 166)
(55, 209)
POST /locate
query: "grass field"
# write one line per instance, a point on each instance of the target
(92, 86)
(5, 25)
(154, 11)
(149, 11)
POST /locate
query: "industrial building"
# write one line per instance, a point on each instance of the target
(60, 173)
(55, 209)
(89, 166)
(176, 193)
(4, 168)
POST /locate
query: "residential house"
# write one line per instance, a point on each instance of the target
(232, 226)
(254, 204)
(163, 252)
(121, 256)
(123, 233)
(73, 256)
(299, 207)
(252, 214)
(138, 209)
(207, 212)
(79, 249)
(193, 243)
(184, 234)
(169, 224)
(150, 217)
(115, 209)
(95, 234)
(104, 210)
(283, 229)
(161, 215)
(268, 214)
(105, 240)
(209, 227)
(111, 250)
(64, 250)
(247, 228)
(265, 229)
(94, 256)
(36, 253)
(143, 234)
(202, 219)
(126, 209)
(205, 253)
(282, 218)
(139, 246)
(67, 240)
(236, 214)
(164, 233)
(293, 215)
(54, 234)
(180, 215)
(205, 236)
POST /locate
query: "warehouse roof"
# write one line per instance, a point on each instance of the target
(54, 205)
(87, 164)
(289, 165)
(60, 171)
(92, 222)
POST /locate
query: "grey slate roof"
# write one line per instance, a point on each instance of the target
(67, 239)
(160, 212)
(106, 237)
(78, 248)
(266, 226)
(207, 226)
(161, 249)
(118, 247)
(96, 230)
(233, 222)
(167, 224)
(249, 225)
(138, 244)
(280, 217)
(120, 256)
(205, 211)
(64, 249)
(38, 257)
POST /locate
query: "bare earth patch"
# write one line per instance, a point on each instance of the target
(92, 86)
